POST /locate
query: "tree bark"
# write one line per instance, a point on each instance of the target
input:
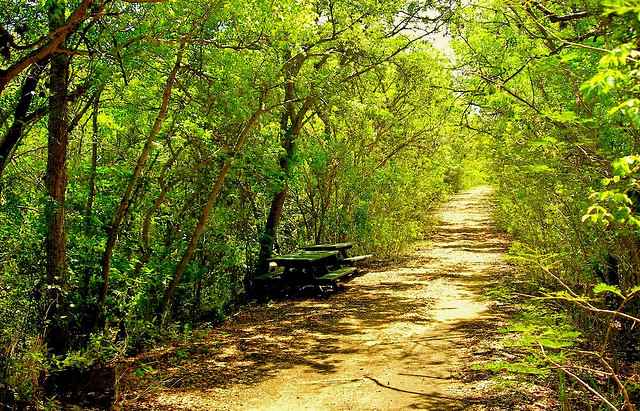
(53, 42)
(57, 337)
(21, 116)
(88, 216)
(275, 212)
(94, 166)
(277, 204)
(195, 237)
(324, 205)
(290, 135)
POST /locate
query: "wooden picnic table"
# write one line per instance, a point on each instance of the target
(318, 265)
(315, 267)
(315, 263)
(303, 257)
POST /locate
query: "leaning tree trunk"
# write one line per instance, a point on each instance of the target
(197, 234)
(126, 198)
(21, 116)
(275, 213)
(56, 336)
(277, 204)
(290, 135)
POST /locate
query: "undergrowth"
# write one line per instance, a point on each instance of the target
(547, 346)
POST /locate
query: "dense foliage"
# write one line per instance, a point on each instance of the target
(552, 90)
(154, 153)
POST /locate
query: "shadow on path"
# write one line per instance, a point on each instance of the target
(395, 336)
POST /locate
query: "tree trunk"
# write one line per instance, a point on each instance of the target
(88, 217)
(277, 204)
(57, 337)
(21, 116)
(126, 198)
(275, 213)
(290, 135)
(195, 237)
(94, 166)
(324, 205)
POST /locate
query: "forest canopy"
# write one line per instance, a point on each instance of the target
(155, 153)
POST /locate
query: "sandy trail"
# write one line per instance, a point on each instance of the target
(393, 340)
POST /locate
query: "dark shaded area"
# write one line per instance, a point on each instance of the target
(264, 336)
(270, 337)
(84, 389)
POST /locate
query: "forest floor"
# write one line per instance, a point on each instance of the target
(401, 336)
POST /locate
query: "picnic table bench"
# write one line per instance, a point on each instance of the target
(270, 274)
(315, 266)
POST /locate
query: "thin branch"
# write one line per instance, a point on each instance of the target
(568, 42)
(554, 18)
(511, 93)
(579, 380)
(52, 46)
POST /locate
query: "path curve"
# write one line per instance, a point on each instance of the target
(395, 339)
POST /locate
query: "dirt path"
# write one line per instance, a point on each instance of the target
(395, 339)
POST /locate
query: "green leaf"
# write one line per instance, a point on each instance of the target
(634, 290)
(601, 288)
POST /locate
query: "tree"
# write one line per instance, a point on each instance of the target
(56, 186)
(540, 80)
(338, 54)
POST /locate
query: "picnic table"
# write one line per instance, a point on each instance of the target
(317, 265)
(342, 249)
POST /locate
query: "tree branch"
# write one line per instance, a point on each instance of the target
(78, 16)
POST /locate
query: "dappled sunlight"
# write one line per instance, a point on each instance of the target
(393, 339)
